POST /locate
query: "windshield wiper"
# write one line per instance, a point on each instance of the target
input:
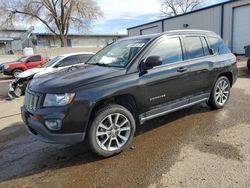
(100, 64)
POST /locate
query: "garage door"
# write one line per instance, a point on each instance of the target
(241, 29)
(150, 30)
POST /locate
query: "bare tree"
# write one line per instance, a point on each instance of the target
(58, 16)
(175, 7)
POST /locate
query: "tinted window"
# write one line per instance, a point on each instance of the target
(69, 61)
(22, 59)
(168, 49)
(52, 61)
(35, 58)
(205, 46)
(194, 47)
(85, 58)
(218, 45)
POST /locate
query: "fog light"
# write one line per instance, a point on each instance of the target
(53, 125)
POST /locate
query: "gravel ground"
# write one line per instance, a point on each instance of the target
(195, 147)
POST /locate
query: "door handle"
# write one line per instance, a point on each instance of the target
(182, 69)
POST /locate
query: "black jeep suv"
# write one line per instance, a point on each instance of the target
(127, 83)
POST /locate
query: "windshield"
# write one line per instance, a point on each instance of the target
(118, 54)
(52, 61)
(22, 59)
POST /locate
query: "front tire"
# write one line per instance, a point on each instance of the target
(220, 93)
(18, 91)
(111, 131)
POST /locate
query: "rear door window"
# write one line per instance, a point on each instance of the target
(169, 49)
(194, 47)
(72, 60)
(85, 57)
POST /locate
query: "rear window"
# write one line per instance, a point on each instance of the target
(218, 45)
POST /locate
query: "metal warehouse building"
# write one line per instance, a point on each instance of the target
(230, 19)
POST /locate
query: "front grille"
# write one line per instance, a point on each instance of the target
(32, 101)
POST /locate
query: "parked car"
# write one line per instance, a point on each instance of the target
(6, 63)
(247, 53)
(1, 68)
(18, 86)
(127, 83)
(23, 64)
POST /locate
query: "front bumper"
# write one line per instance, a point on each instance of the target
(40, 132)
(7, 71)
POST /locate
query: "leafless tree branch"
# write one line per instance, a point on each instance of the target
(176, 7)
(58, 16)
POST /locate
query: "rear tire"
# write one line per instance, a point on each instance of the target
(248, 63)
(16, 72)
(220, 93)
(111, 130)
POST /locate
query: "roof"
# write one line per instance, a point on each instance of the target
(173, 32)
(208, 7)
(14, 30)
(77, 53)
(150, 36)
(83, 35)
(6, 39)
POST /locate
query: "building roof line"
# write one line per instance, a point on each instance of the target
(168, 18)
(84, 35)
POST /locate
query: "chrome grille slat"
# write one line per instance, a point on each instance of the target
(32, 101)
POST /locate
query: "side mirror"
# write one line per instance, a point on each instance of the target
(27, 61)
(211, 51)
(151, 62)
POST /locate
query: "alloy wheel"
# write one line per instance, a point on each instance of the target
(222, 92)
(113, 132)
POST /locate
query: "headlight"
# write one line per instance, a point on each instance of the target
(6, 66)
(58, 99)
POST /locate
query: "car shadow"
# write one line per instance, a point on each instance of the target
(17, 147)
(22, 156)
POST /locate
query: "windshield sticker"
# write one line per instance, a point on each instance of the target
(136, 45)
(107, 60)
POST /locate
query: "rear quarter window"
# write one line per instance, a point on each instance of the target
(218, 45)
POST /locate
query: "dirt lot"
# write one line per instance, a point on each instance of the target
(195, 147)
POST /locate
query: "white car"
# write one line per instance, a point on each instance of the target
(18, 86)
(62, 61)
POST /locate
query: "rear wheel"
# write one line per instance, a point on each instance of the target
(248, 63)
(220, 93)
(111, 130)
(16, 72)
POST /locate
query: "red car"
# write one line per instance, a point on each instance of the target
(23, 64)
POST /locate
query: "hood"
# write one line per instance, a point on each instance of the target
(29, 72)
(9, 63)
(66, 80)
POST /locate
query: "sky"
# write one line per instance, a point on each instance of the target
(122, 14)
